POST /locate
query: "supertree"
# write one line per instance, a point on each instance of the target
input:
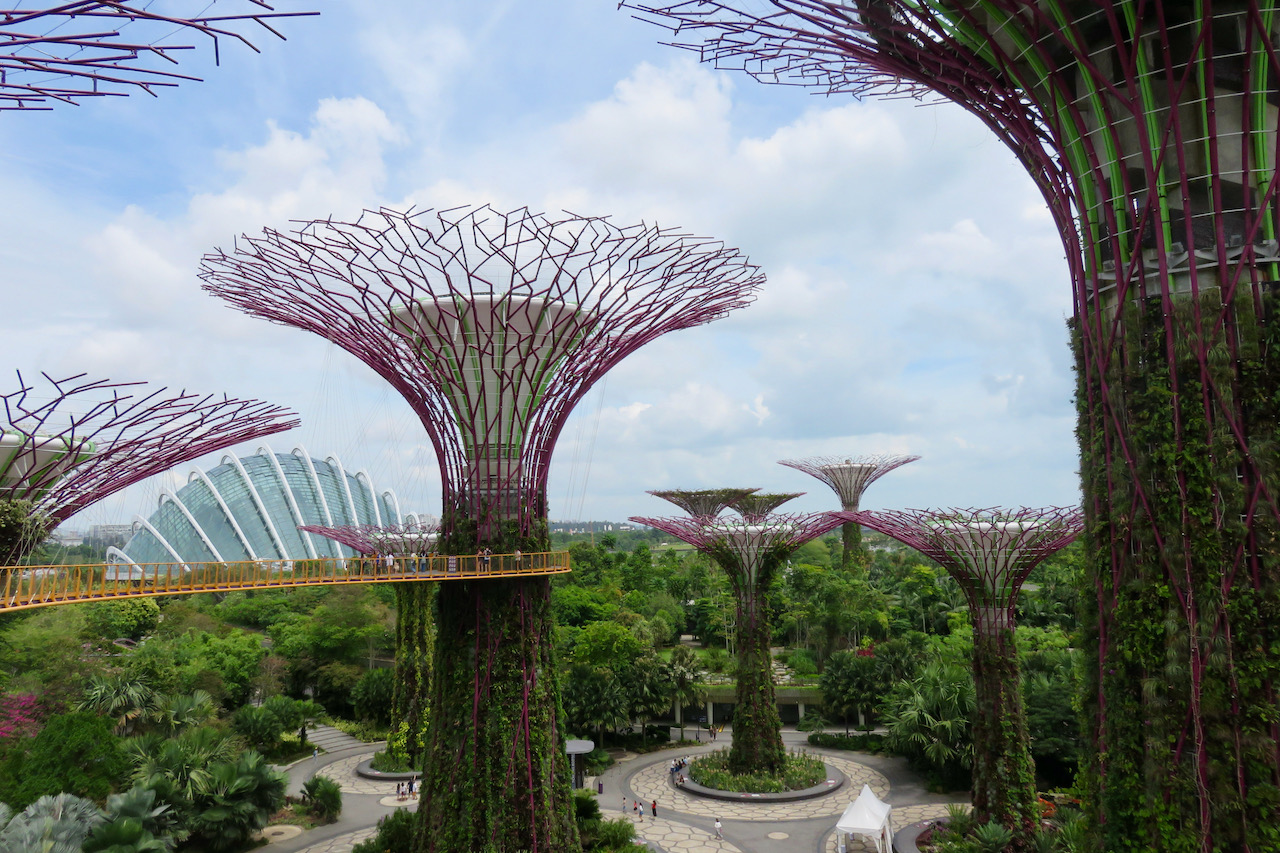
(1150, 128)
(849, 477)
(92, 48)
(415, 629)
(702, 502)
(492, 326)
(989, 553)
(68, 443)
(751, 550)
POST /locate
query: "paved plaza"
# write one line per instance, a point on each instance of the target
(685, 823)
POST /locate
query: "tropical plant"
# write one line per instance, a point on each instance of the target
(52, 824)
(260, 728)
(74, 753)
(129, 702)
(992, 837)
(184, 761)
(684, 675)
(373, 694)
(395, 833)
(323, 797)
(928, 721)
(174, 714)
(236, 802)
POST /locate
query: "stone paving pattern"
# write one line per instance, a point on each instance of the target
(793, 830)
(653, 783)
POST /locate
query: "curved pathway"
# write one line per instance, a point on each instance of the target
(685, 824)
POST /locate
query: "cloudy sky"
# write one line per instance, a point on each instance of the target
(916, 297)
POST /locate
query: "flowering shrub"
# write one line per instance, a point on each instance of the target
(21, 715)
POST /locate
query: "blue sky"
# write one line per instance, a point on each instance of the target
(916, 301)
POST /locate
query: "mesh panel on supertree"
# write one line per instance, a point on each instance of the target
(492, 326)
(702, 502)
(750, 551)
(1150, 129)
(756, 506)
(68, 443)
(93, 48)
(409, 539)
(989, 553)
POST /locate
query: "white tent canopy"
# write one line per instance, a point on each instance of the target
(868, 816)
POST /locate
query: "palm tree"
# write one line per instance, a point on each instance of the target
(184, 761)
(58, 824)
(127, 701)
(175, 713)
(237, 802)
(685, 675)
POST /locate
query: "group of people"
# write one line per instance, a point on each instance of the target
(677, 770)
(637, 808)
(407, 790)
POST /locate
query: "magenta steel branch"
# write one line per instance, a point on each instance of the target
(492, 325)
(77, 440)
(988, 551)
(73, 51)
(409, 539)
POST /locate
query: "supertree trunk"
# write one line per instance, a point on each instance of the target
(757, 728)
(497, 777)
(1004, 781)
(415, 647)
(853, 557)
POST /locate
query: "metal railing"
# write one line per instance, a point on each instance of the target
(40, 586)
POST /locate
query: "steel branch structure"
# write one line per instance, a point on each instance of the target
(849, 477)
(989, 553)
(751, 551)
(492, 325)
(1150, 127)
(701, 503)
(93, 48)
(68, 443)
(754, 507)
(409, 539)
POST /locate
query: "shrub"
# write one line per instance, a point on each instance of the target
(802, 663)
(323, 797)
(992, 837)
(384, 762)
(800, 772)
(616, 833)
(372, 695)
(717, 660)
(74, 753)
(260, 728)
(394, 835)
(865, 742)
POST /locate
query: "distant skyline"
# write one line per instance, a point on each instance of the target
(916, 301)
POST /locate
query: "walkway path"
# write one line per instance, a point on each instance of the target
(685, 824)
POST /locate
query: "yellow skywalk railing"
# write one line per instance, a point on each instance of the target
(39, 586)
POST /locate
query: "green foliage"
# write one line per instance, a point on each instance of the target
(129, 703)
(260, 728)
(928, 722)
(22, 529)
(131, 618)
(323, 797)
(615, 834)
(52, 824)
(74, 753)
(236, 801)
(800, 771)
(395, 834)
(992, 837)
(865, 742)
(373, 695)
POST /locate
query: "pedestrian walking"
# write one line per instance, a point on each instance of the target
(655, 808)
(413, 788)
(624, 805)
(719, 834)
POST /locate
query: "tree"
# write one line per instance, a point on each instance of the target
(236, 801)
(928, 721)
(684, 675)
(373, 694)
(128, 702)
(22, 529)
(852, 683)
(594, 699)
(609, 645)
(74, 753)
(648, 689)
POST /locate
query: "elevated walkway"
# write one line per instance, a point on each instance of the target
(40, 586)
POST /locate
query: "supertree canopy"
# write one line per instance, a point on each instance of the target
(751, 551)
(849, 477)
(91, 48)
(989, 553)
(68, 443)
(1150, 128)
(756, 506)
(413, 538)
(702, 502)
(492, 326)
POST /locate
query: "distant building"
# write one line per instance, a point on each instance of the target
(250, 508)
